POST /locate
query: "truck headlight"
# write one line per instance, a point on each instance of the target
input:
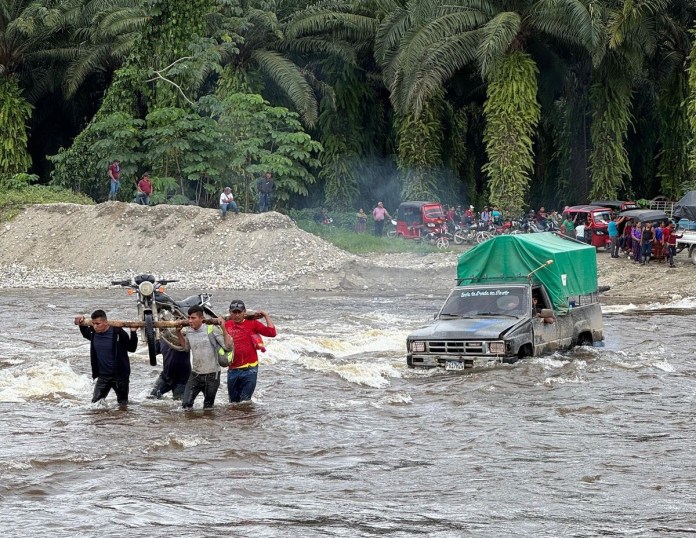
(497, 347)
(418, 346)
(146, 288)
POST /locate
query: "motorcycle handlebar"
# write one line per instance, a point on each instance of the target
(165, 282)
(120, 282)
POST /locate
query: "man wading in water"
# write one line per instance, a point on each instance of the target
(243, 372)
(108, 353)
(205, 370)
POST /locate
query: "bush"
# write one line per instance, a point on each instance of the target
(13, 200)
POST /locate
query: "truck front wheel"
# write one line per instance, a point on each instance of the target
(692, 254)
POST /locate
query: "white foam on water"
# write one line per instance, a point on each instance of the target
(398, 398)
(372, 374)
(617, 308)
(12, 362)
(551, 381)
(50, 379)
(552, 361)
(347, 404)
(677, 302)
(175, 440)
(663, 365)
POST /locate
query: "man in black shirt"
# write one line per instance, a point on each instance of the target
(109, 356)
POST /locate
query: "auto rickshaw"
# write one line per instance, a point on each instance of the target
(418, 219)
(596, 221)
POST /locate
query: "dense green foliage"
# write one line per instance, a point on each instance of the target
(14, 114)
(348, 102)
(17, 191)
(512, 113)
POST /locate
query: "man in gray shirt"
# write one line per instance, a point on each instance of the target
(205, 370)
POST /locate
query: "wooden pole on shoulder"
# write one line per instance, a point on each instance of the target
(169, 324)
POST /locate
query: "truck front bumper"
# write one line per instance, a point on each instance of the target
(420, 360)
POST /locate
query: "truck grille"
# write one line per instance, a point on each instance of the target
(456, 347)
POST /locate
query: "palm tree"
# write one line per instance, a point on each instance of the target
(636, 33)
(423, 44)
(26, 30)
(45, 45)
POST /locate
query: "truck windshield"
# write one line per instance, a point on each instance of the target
(488, 301)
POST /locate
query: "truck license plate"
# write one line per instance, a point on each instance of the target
(454, 365)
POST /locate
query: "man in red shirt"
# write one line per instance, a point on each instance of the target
(114, 179)
(243, 372)
(669, 240)
(144, 190)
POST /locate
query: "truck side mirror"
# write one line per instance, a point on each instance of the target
(546, 313)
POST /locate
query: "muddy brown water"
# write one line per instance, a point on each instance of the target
(342, 439)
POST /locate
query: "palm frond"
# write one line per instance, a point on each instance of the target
(438, 66)
(319, 46)
(497, 36)
(289, 78)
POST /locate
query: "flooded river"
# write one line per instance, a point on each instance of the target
(342, 439)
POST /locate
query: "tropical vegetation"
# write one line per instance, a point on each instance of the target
(511, 102)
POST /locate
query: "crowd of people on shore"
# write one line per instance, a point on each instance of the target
(642, 242)
(195, 368)
(265, 187)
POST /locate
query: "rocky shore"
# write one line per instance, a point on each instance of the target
(76, 246)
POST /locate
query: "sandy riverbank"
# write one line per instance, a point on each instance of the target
(74, 246)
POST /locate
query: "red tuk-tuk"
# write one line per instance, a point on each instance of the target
(417, 219)
(596, 221)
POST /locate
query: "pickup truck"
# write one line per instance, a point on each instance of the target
(517, 296)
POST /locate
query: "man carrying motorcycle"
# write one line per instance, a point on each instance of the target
(108, 350)
(205, 370)
(176, 369)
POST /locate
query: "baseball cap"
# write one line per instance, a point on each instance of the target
(237, 305)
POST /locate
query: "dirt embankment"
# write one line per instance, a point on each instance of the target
(67, 245)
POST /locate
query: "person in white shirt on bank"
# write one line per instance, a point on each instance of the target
(227, 203)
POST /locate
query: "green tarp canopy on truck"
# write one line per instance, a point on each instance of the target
(513, 257)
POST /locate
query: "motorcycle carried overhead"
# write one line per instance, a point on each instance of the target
(155, 305)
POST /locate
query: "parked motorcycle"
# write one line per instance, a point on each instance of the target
(155, 305)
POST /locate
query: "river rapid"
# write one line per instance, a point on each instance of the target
(342, 439)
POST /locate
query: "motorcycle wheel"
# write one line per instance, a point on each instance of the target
(442, 243)
(459, 237)
(150, 337)
(483, 236)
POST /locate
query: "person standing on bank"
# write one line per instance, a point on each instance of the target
(378, 214)
(108, 353)
(265, 186)
(114, 179)
(205, 370)
(243, 372)
(613, 230)
(361, 221)
(669, 238)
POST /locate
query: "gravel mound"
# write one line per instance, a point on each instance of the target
(77, 246)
